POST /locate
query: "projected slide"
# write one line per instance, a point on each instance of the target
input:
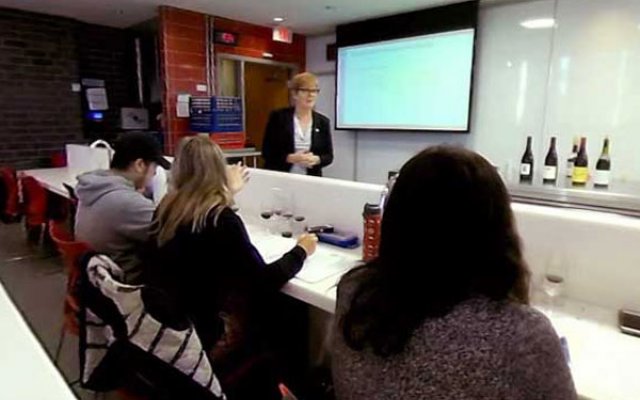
(416, 83)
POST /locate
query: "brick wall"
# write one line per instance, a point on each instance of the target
(182, 36)
(108, 54)
(40, 57)
(183, 66)
(38, 111)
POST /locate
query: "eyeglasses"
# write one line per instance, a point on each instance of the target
(308, 91)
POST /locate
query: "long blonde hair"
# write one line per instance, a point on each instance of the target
(199, 184)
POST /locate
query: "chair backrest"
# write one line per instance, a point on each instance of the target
(9, 195)
(70, 250)
(35, 201)
(59, 159)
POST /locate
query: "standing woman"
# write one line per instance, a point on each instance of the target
(298, 139)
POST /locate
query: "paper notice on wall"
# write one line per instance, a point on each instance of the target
(182, 106)
(97, 99)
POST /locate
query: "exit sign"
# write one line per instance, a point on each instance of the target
(282, 34)
(228, 38)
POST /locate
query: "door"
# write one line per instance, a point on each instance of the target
(265, 90)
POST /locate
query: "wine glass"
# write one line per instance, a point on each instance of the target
(553, 282)
(266, 214)
(282, 209)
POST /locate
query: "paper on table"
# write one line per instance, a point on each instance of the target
(321, 265)
(324, 264)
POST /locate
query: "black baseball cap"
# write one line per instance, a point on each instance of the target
(131, 146)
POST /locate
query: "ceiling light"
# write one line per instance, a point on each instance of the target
(279, 19)
(539, 23)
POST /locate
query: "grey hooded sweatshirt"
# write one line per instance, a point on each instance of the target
(113, 218)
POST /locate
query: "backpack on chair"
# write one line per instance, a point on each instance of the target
(130, 335)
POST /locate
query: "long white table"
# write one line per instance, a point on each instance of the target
(26, 372)
(53, 179)
(604, 362)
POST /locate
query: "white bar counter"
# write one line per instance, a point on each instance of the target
(604, 362)
(600, 248)
(26, 372)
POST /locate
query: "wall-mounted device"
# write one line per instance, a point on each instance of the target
(629, 322)
(226, 38)
(134, 118)
(95, 104)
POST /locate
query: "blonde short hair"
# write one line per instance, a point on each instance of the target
(303, 80)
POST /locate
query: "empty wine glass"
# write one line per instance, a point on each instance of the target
(283, 210)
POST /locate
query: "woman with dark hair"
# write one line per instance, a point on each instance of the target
(443, 312)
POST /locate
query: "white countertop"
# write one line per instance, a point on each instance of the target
(26, 372)
(53, 179)
(604, 361)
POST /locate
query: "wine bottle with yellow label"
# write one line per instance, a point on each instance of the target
(581, 165)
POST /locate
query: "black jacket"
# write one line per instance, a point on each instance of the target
(279, 143)
(216, 270)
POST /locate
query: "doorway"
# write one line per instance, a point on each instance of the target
(263, 87)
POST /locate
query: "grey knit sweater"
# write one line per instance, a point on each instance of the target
(482, 350)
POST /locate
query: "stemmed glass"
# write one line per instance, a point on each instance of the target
(553, 282)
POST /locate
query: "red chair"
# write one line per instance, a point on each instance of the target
(9, 195)
(35, 208)
(70, 251)
(59, 159)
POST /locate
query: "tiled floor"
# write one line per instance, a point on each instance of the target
(35, 280)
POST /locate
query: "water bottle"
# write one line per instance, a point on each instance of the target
(372, 216)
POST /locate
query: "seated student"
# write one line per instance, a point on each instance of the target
(113, 216)
(443, 312)
(201, 256)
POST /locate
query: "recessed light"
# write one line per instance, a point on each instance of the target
(278, 19)
(539, 23)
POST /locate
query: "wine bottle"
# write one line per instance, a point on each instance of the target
(572, 157)
(603, 167)
(526, 164)
(550, 176)
(581, 166)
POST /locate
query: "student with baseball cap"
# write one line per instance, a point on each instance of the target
(113, 215)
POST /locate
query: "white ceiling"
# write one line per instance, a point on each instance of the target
(303, 16)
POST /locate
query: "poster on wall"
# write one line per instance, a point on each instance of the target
(97, 99)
